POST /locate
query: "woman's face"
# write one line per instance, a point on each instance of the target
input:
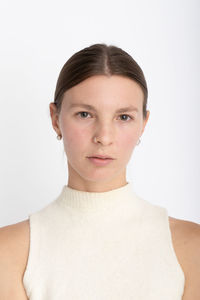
(117, 130)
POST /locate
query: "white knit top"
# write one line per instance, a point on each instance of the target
(110, 245)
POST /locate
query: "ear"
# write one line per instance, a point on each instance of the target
(54, 117)
(145, 121)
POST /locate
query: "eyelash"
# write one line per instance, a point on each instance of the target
(89, 113)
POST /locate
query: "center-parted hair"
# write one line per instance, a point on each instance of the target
(98, 59)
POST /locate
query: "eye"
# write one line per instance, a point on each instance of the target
(82, 113)
(126, 116)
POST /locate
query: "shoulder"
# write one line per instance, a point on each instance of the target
(14, 249)
(185, 233)
(186, 242)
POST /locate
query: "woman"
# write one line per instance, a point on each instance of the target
(99, 239)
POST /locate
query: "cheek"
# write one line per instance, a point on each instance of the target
(126, 142)
(74, 138)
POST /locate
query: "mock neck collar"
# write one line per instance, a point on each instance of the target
(96, 201)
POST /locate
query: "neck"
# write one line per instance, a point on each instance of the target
(77, 182)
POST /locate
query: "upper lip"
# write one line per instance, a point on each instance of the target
(101, 156)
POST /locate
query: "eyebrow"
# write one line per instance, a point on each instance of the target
(90, 107)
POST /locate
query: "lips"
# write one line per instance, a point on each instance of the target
(99, 161)
(101, 156)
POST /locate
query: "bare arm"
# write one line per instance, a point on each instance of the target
(186, 240)
(14, 247)
(192, 264)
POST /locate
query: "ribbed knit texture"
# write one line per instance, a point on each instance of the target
(110, 245)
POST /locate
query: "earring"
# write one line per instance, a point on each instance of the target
(59, 137)
(138, 142)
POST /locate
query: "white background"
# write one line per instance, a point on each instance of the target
(38, 37)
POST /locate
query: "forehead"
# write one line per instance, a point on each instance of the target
(104, 90)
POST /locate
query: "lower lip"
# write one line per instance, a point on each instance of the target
(99, 161)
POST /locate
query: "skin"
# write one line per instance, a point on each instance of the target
(117, 134)
(116, 138)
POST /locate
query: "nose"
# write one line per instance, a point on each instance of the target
(104, 134)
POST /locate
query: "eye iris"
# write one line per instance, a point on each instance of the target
(124, 116)
(84, 113)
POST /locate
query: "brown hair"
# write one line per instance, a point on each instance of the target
(98, 59)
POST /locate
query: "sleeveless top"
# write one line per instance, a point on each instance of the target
(102, 246)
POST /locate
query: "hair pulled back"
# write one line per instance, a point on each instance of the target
(98, 59)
